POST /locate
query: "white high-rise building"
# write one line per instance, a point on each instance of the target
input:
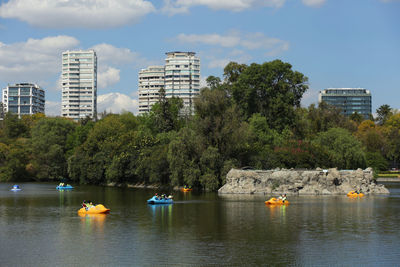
(182, 77)
(23, 99)
(151, 80)
(79, 84)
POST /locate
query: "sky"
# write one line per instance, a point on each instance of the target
(335, 43)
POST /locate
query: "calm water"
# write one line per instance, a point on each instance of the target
(39, 226)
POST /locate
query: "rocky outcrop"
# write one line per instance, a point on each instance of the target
(302, 182)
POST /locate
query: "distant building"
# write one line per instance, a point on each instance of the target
(79, 84)
(1, 111)
(151, 80)
(23, 99)
(348, 100)
(180, 78)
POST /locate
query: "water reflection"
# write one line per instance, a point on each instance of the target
(162, 214)
(93, 222)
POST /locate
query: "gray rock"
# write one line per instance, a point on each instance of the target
(309, 182)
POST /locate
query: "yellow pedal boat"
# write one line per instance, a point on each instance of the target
(186, 189)
(275, 201)
(354, 194)
(98, 209)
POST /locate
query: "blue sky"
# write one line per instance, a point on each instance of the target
(335, 43)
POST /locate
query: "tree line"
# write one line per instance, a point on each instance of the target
(250, 117)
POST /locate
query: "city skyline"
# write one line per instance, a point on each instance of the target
(334, 43)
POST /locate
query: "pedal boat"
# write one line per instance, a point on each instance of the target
(276, 201)
(186, 189)
(64, 187)
(156, 200)
(98, 209)
(354, 194)
(15, 188)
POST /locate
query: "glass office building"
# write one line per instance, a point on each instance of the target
(348, 100)
(23, 99)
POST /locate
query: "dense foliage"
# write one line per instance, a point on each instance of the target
(250, 118)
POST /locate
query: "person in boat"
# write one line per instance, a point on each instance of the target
(156, 196)
(87, 204)
(282, 197)
(170, 197)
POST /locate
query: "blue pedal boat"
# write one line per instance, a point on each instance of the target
(15, 188)
(156, 200)
(64, 187)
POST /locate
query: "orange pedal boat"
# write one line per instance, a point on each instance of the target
(354, 194)
(276, 201)
(186, 189)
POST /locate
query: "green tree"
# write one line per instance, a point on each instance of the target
(213, 82)
(383, 112)
(183, 158)
(272, 89)
(165, 115)
(14, 160)
(356, 117)
(371, 136)
(313, 120)
(232, 71)
(391, 131)
(376, 161)
(49, 139)
(13, 127)
(344, 150)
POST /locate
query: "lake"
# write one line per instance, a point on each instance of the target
(39, 226)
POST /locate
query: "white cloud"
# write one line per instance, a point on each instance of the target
(52, 108)
(116, 103)
(108, 77)
(218, 63)
(33, 60)
(112, 103)
(203, 82)
(114, 55)
(109, 55)
(210, 39)
(76, 13)
(313, 3)
(182, 6)
(253, 41)
(310, 97)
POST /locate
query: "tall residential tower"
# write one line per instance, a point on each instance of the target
(23, 99)
(151, 80)
(180, 78)
(79, 84)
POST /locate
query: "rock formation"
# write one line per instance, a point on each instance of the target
(301, 182)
